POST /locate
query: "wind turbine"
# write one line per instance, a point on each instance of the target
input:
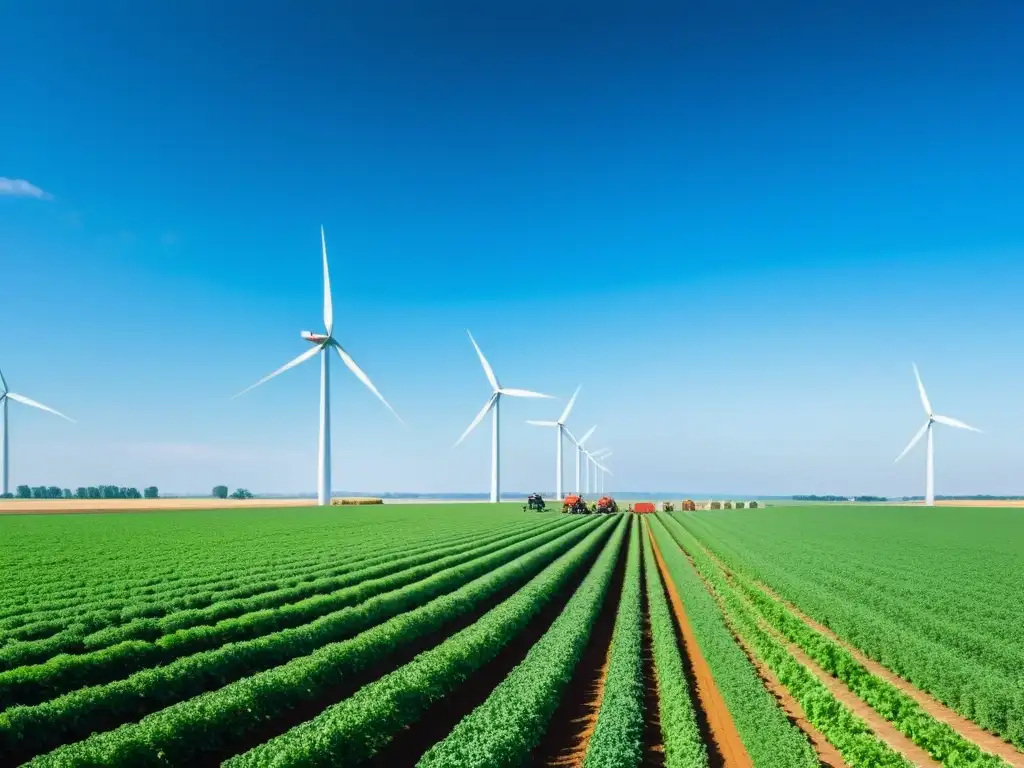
(592, 459)
(597, 457)
(604, 471)
(559, 434)
(323, 343)
(929, 497)
(5, 397)
(493, 405)
(579, 452)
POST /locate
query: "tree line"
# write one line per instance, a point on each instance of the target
(82, 492)
(838, 498)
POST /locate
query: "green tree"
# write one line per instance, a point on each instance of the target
(220, 491)
(24, 492)
(133, 493)
(81, 493)
(53, 492)
(241, 493)
(152, 492)
(94, 492)
(67, 493)
(39, 492)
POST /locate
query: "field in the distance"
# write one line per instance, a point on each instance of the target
(482, 635)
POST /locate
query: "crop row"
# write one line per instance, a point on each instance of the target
(353, 730)
(617, 740)
(126, 602)
(31, 684)
(176, 632)
(856, 742)
(937, 738)
(770, 739)
(512, 721)
(684, 747)
(180, 733)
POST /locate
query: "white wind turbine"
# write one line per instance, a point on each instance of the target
(598, 457)
(604, 471)
(5, 397)
(929, 496)
(493, 405)
(579, 452)
(592, 458)
(322, 343)
(560, 432)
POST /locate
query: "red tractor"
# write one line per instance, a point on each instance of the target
(606, 506)
(644, 508)
(575, 505)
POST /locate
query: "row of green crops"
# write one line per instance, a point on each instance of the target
(352, 731)
(512, 721)
(124, 602)
(770, 739)
(857, 743)
(936, 738)
(617, 740)
(113, 605)
(32, 684)
(684, 747)
(909, 640)
(240, 618)
(181, 733)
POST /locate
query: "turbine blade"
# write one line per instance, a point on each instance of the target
(568, 408)
(920, 388)
(479, 417)
(3, 381)
(570, 435)
(300, 359)
(328, 305)
(918, 436)
(29, 401)
(487, 366)
(346, 358)
(951, 422)
(524, 393)
(542, 423)
(586, 437)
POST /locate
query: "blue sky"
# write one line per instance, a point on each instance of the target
(736, 223)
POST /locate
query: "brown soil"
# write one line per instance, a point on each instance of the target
(653, 755)
(969, 730)
(723, 731)
(572, 724)
(80, 506)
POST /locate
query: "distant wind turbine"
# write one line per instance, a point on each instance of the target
(5, 397)
(929, 496)
(323, 342)
(493, 405)
(579, 453)
(560, 436)
(592, 458)
(604, 471)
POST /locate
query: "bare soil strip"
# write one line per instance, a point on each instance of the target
(653, 754)
(971, 731)
(723, 733)
(572, 724)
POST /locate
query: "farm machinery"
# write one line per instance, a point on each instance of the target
(575, 505)
(534, 502)
(606, 506)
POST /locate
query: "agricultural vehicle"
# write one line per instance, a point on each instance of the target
(575, 505)
(644, 508)
(689, 506)
(535, 501)
(606, 506)
(668, 506)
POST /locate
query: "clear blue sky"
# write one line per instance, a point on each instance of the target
(736, 223)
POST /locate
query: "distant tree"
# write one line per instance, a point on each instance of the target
(220, 491)
(81, 493)
(133, 493)
(94, 492)
(53, 492)
(67, 493)
(38, 491)
(241, 493)
(152, 492)
(7, 495)
(24, 492)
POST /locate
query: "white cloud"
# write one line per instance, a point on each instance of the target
(22, 188)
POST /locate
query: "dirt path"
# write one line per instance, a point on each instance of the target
(653, 755)
(723, 729)
(568, 734)
(969, 730)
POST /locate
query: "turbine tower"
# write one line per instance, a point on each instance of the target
(592, 474)
(5, 397)
(579, 452)
(492, 405)
(929, 496)
(560, 431)
(597, 457)
(322, 344)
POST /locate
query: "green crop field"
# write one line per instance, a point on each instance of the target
(483, 635)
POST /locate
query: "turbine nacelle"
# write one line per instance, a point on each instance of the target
(314, 338)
